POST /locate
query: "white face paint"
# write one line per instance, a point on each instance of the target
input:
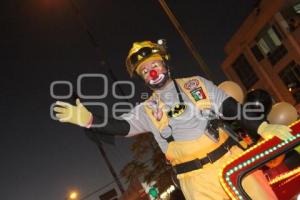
(161, 70)
(158, 80)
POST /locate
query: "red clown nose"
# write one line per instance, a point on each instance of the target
(153, 74)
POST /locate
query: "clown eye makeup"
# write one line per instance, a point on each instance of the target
(145, 71)
(154, 65)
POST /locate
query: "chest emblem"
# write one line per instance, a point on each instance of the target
(198, 94)
(177, 110)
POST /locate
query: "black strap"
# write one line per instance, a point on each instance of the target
(210, 158)
(178, 92)
(169, 138)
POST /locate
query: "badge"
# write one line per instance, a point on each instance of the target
(191, 84)
(198, 94)
(157, 112)
(177, 110)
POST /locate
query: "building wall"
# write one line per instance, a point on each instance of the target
(268, 13)
(135, 191)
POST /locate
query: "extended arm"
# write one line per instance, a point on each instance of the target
(119, 127)
(127, 125)
(253, 122)
(232, 110)
(229, 109)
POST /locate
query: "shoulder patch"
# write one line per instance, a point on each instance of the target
(191, 84)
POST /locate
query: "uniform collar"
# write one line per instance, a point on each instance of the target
(167, 87)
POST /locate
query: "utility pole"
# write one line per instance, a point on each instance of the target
(109, 165)
(95, 44)
(186, 40)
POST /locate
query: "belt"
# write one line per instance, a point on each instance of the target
(210, 158)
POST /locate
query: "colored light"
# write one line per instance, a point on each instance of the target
(285, 176)
(153, 192)
(225, 179)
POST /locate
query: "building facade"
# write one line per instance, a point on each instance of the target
(265, 51)
(135, 191)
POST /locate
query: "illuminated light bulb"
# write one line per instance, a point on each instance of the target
(160, 41)
(73, 195)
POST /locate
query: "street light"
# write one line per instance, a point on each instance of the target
(73, 196)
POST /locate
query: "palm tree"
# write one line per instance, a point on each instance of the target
(155, 169)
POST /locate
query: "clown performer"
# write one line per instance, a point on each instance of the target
(179, 115)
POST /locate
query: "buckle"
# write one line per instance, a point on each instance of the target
(228, 149)
(210, 160)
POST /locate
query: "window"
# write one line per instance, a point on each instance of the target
(269, 43)
(291, 15)
(296, 8)
(245, 71)
(257, 53)
(279, 53)
(291, 77)
(268, 40)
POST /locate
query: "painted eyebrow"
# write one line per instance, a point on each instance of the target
(152, 62)
(156, 62)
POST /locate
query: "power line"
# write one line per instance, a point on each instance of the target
(96, 45)
(186, 40)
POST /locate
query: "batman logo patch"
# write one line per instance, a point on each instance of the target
(177, 110)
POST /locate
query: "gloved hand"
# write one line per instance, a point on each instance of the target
(270, 130)
(78, 114)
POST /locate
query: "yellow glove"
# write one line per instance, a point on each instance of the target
(298, 149)
(78, 114)
(268, 131)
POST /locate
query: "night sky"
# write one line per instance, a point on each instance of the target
(43, 41)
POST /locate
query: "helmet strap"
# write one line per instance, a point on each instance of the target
(167, 66)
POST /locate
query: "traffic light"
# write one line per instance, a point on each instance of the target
(153, 192)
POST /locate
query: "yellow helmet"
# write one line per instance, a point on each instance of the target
(141, 51)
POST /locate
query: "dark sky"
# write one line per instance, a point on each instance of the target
(43, 41)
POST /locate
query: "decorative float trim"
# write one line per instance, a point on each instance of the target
(234, 170)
